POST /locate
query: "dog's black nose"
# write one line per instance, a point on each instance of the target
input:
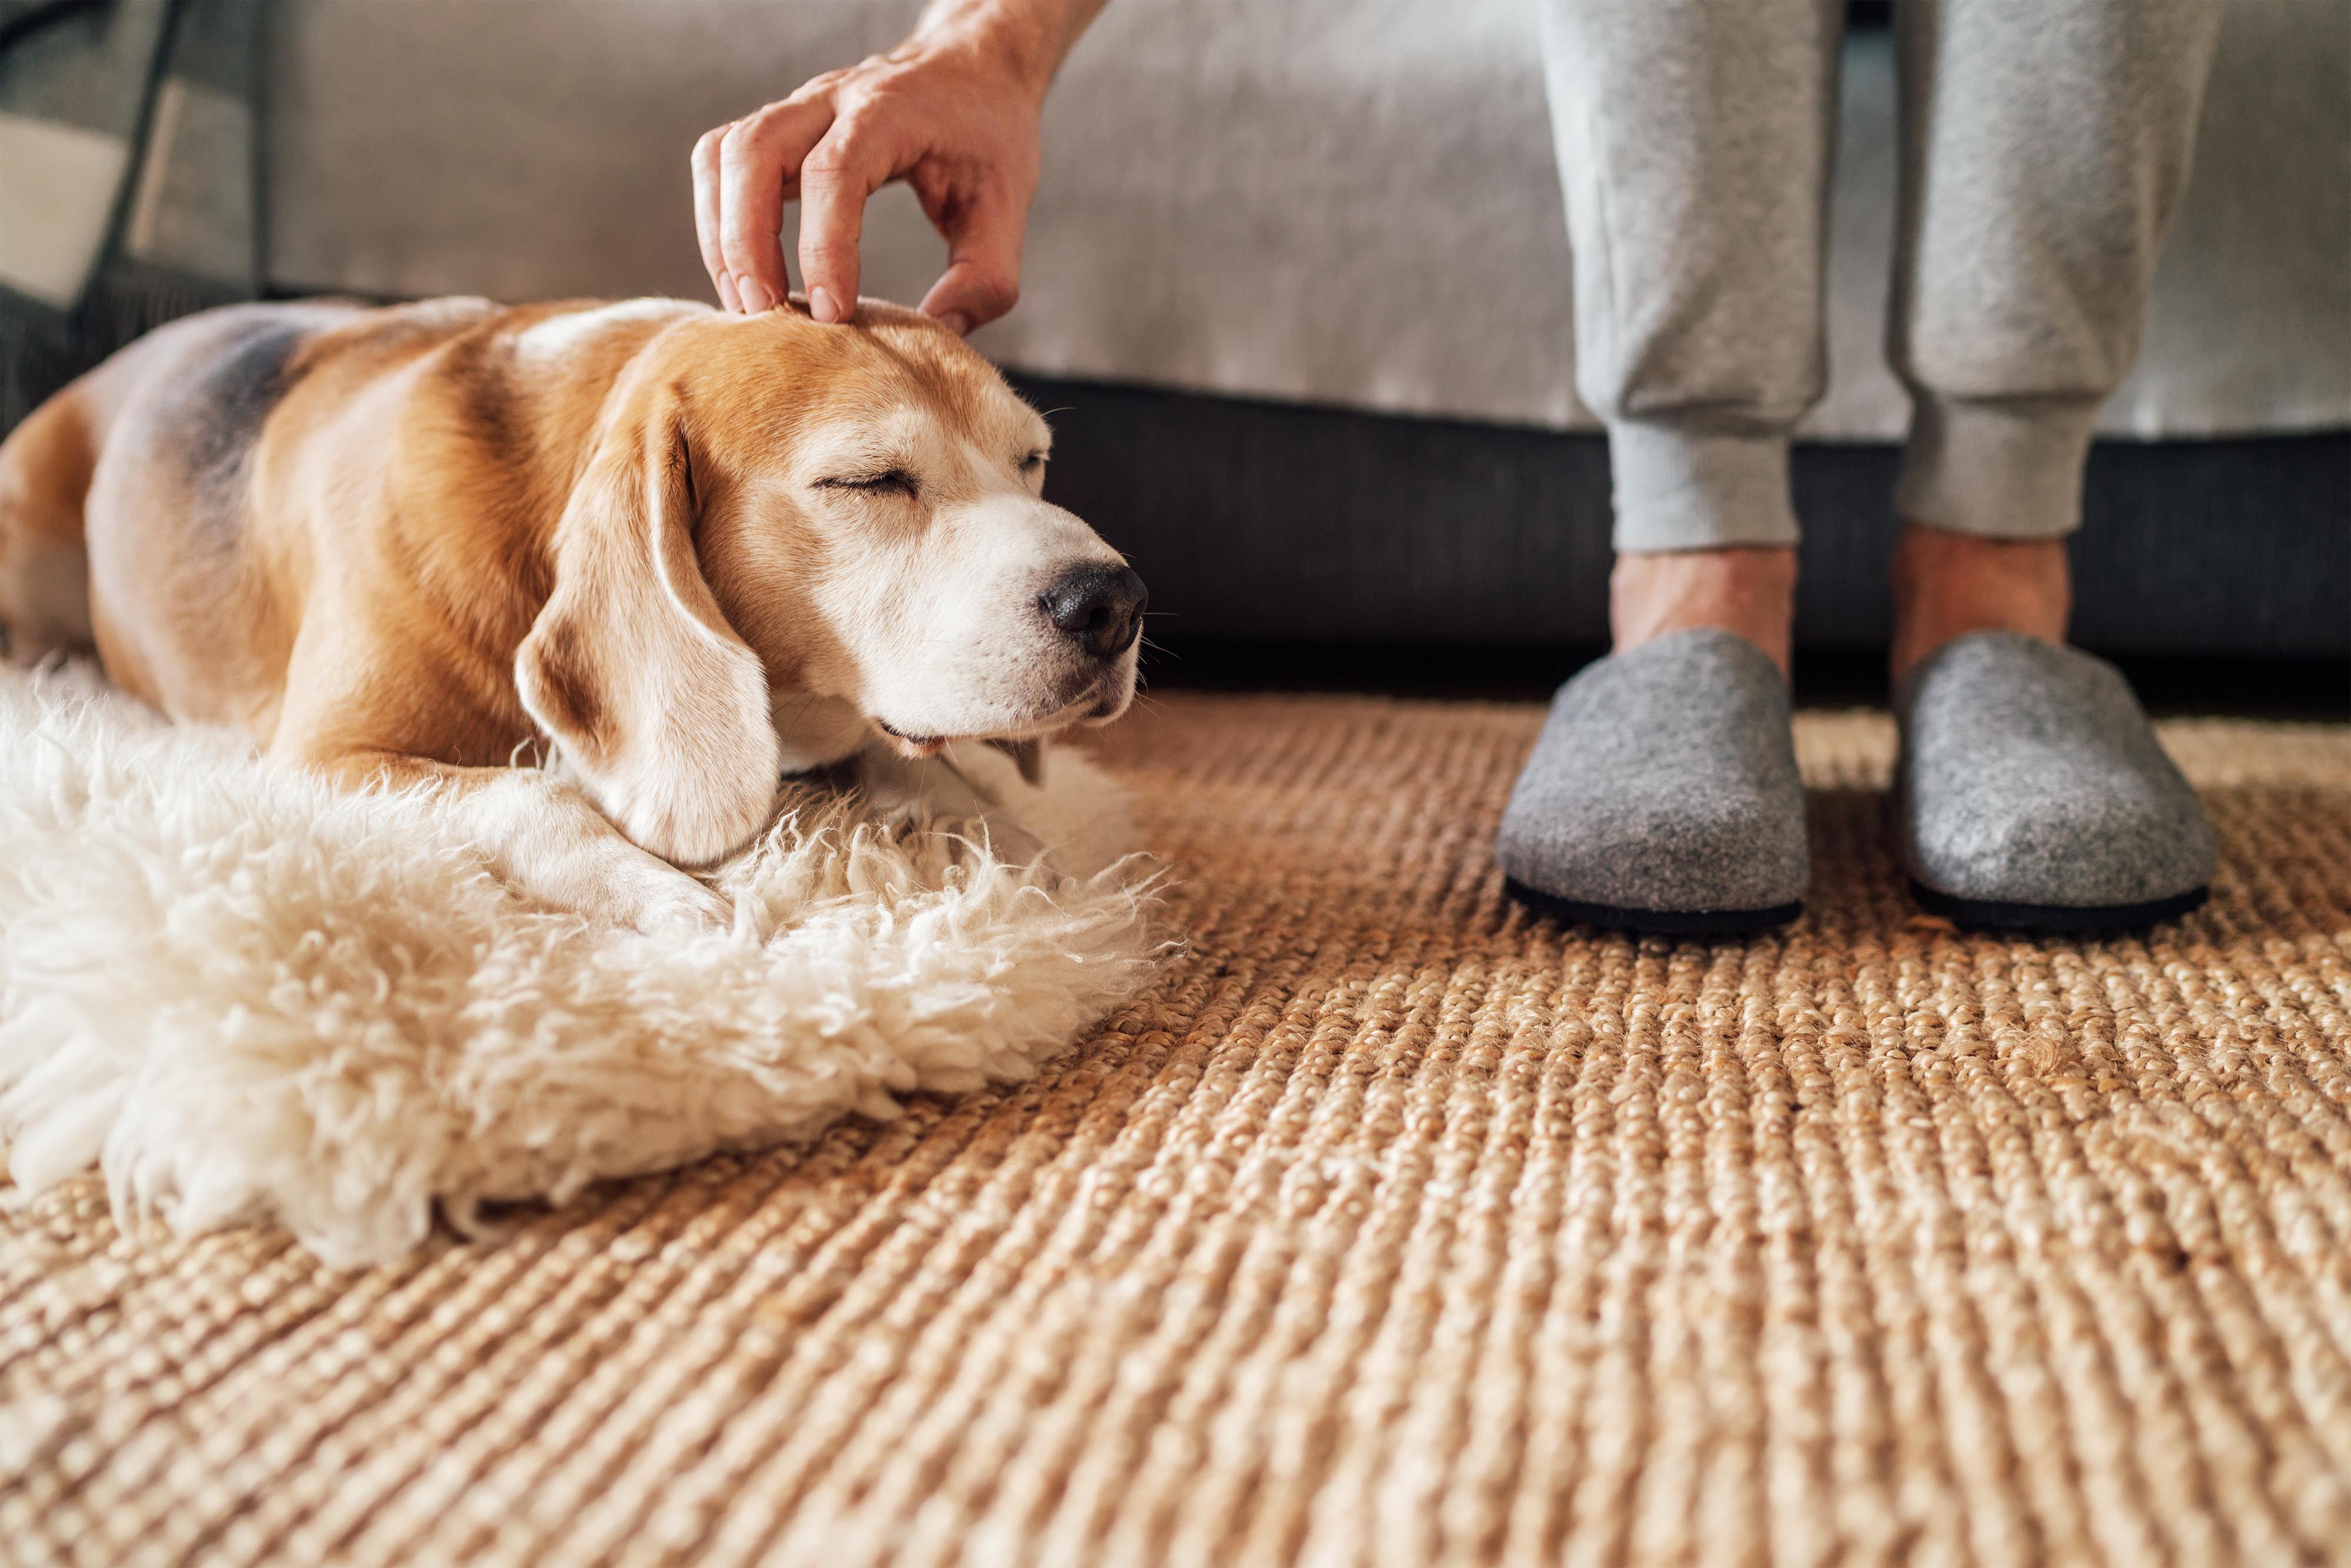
(1099, 606)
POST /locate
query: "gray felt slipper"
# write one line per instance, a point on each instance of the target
(1662, 794)
(2033, 795)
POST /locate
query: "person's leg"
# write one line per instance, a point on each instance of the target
(2045, 149)
(1747, 588)
(1694, 140)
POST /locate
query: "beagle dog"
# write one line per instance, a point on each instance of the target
(694, 551)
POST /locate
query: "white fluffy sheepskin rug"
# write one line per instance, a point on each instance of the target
(247, 997)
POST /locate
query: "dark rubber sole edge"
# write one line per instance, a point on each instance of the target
(1655, 922)
(2057, 918)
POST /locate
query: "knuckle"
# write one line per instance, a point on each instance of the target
(768, 116)
(752, 130)
(745, 136)
(829, 164)
(866, 116)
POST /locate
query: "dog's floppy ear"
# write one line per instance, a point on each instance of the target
(656, 703)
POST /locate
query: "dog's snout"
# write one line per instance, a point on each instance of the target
(1100, 607)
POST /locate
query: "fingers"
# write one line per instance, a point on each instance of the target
(983, 277)
(705, 216)
(966, 139)
(758, 156)
(837, 177)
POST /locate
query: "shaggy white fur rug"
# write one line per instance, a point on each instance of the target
(246, 997)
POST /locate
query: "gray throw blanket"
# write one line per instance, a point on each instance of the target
(128, 188)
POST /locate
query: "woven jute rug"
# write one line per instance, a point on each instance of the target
(1391, 1227)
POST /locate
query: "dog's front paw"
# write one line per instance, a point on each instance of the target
(659, 897)
(552, 846)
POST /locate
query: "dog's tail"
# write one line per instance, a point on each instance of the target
(45, 464)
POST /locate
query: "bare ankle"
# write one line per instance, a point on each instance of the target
(1749, 590)
(1947, 585)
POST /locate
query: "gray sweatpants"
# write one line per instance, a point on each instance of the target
(2044, 146)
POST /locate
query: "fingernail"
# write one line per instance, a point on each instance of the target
(958, 323)
(727, 295)
(756, 296)
(822, 307)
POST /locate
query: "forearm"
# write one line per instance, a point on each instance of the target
(1029, 39)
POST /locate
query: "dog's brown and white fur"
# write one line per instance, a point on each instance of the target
(695, 551)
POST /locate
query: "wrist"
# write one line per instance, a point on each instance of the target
(1021, 42)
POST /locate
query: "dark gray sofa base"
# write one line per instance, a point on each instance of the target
(1264, 522)
(1273, 522)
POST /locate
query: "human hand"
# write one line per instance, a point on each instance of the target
(953, 111)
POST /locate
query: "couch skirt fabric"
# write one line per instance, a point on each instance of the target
(1389, 1227)
(1268, 522)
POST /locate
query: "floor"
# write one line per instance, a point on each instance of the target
(1391, 1225)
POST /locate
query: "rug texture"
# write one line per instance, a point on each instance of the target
(1388, 1225)
(248, 996)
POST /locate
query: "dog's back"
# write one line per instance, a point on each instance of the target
(126, 500)
(166, 424)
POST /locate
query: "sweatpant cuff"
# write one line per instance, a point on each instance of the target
(1681, 489)
(2004, 471)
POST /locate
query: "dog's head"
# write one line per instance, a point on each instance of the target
(775, 515)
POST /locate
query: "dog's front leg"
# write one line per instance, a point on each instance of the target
(545, 838)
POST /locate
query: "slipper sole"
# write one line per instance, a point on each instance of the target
(2059, 919)
(1655, 922)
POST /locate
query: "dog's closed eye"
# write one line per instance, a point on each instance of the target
(890, 481)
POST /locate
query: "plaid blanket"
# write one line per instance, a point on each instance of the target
(128, 189)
